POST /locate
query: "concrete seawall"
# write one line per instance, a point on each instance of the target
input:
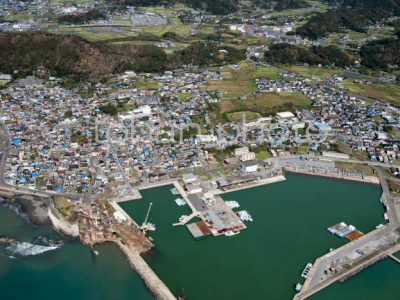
(366, 179)
(153, 283)
(261, 182)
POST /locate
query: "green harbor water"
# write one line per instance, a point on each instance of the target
(265, 260)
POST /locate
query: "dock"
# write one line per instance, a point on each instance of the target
(186, 219)
(198, 230)
(394, 258)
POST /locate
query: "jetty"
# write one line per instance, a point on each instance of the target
(358, 254)
(152, 281)
(185, 219)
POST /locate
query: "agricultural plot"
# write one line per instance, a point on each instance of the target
(383, 92)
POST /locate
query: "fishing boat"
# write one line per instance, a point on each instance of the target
(306, 270)
(298, 287)
(231, 233)
(151, 227)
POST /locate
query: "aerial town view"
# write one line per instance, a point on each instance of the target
(199, 149)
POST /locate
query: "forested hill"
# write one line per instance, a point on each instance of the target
(217, 7)
(352, 14)
(78, 59)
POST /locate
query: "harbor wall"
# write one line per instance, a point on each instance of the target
(153, 283)
(261, 182)
(366, 179)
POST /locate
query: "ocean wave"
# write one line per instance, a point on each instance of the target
(28, 249)
(16, 208)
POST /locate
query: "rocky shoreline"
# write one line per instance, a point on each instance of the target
(35, 207)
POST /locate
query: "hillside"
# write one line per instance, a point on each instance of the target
(351, 14)
(59, 55)
(78, 59)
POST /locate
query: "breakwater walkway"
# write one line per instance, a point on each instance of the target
(152, 281)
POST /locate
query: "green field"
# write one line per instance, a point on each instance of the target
(383, 92)
(354, 168)
(4, 82)
(314, 72)
(146, 84)
(242, 82)
(243, 115)
(97, 34)
(266, 103)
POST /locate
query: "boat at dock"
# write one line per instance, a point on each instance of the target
(245, 216)
(306, 270)
(342, 229)
(174, 191)
(298, 287)
(231, 233)
(180, 202)
(149, 227)
(232, 204)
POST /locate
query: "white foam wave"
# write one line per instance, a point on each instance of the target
(28, 249)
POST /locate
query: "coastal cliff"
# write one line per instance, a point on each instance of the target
(63, 226)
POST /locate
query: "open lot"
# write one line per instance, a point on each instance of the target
(354, 168)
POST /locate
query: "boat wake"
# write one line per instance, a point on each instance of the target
(38, 246)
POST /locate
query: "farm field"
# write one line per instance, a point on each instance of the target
(383, 92)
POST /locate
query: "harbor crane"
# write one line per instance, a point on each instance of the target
(148, 226)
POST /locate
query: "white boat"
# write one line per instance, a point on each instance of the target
(232, 204)
(151, 227)
(298, 287)
(245, 216)
(180, 201)
(231, 233)
(306, 270)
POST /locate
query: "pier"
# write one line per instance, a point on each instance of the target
(186, 219)
(394, 258)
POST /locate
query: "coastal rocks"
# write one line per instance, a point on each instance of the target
(36, 208)
(6, 241)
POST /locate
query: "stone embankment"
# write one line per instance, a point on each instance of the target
(153, 283)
